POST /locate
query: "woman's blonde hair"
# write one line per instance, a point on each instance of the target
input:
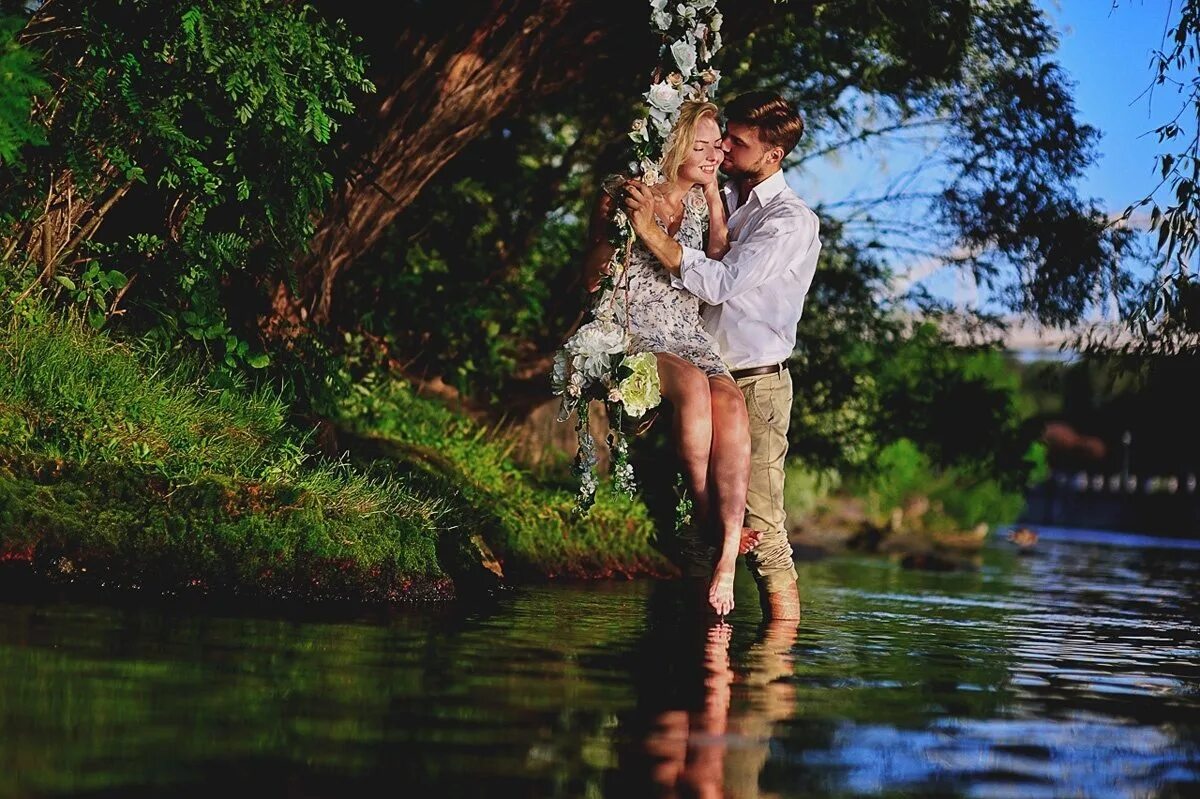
(683, 135)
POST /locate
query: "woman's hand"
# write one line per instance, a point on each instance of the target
(639, 206)
(599, 252)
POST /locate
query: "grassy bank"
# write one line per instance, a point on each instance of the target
(120, 467)
(528, 524)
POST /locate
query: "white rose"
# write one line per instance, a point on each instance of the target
(638, 130)
(685, 56)
(663, 98)
(685, 12)
(661, 20)
(703, 5)
(716, 43)
(650, 173)
(662, 119)
(700, 31)
(715, 22)
(659, 5)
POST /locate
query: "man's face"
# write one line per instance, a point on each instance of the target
(745, 155)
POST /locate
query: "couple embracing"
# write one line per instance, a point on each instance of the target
(717, 281)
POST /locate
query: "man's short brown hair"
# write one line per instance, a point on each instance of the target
(777, 122)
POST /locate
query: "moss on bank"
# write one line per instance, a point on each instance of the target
(119, 467)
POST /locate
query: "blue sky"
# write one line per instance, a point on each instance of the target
(1106, 51)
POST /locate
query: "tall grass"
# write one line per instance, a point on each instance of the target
(124, 456)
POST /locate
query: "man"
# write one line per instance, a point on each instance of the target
(755, 296)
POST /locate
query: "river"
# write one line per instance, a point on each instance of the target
(1070, 671)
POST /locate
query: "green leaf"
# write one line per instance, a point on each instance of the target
(65, 282)
(259, 361)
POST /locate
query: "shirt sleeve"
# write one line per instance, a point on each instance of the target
(765, 253)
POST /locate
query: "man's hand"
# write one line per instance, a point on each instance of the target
(749, 540)
(639, 205)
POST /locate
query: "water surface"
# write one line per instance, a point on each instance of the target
(1073, 671)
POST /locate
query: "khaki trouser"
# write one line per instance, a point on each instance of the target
(769, 406)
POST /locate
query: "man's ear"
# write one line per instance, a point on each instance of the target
(776, 155)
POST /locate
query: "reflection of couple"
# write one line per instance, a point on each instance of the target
(704, 720)
(716, 286)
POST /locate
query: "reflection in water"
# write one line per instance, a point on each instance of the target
(1072, 671)
(703, 723)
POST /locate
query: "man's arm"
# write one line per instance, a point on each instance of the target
(765, 253)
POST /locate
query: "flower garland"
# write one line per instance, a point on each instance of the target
(595, 363)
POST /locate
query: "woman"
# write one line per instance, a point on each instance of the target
(711, 429)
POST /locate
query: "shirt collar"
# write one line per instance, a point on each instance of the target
(764, 192)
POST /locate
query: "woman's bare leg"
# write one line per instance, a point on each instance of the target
(729, 477)
(686, 387)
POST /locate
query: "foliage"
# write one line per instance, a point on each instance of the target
(19, 81)
(842, 338)
(962, 407)
(959, 499)
(1166, 313)
(199, 135)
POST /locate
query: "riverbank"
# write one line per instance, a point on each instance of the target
(119, 468)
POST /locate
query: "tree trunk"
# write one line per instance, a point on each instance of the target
(448, 88)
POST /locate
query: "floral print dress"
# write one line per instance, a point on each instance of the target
(663, 318)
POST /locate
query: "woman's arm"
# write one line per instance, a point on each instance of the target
(718, 231)
(599, 252)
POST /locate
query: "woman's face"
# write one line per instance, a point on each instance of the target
(702, 162)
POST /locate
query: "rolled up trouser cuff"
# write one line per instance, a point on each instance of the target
(771, 562)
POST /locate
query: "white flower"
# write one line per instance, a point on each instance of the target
(716, 43)
(685, 56)
(663, 98)
(614, 395)
(558, 378)
(592, 345)
(659, 5)
(700, 32)
(574, 390)
(650, 172)
(661, 20)
(686, 13)
(703, 5)
(715, 22)
(662, 119)
(675, 79)
(638, 130)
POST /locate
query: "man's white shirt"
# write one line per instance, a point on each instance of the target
(755, 295)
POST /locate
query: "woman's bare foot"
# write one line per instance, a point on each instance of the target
(720, 592)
